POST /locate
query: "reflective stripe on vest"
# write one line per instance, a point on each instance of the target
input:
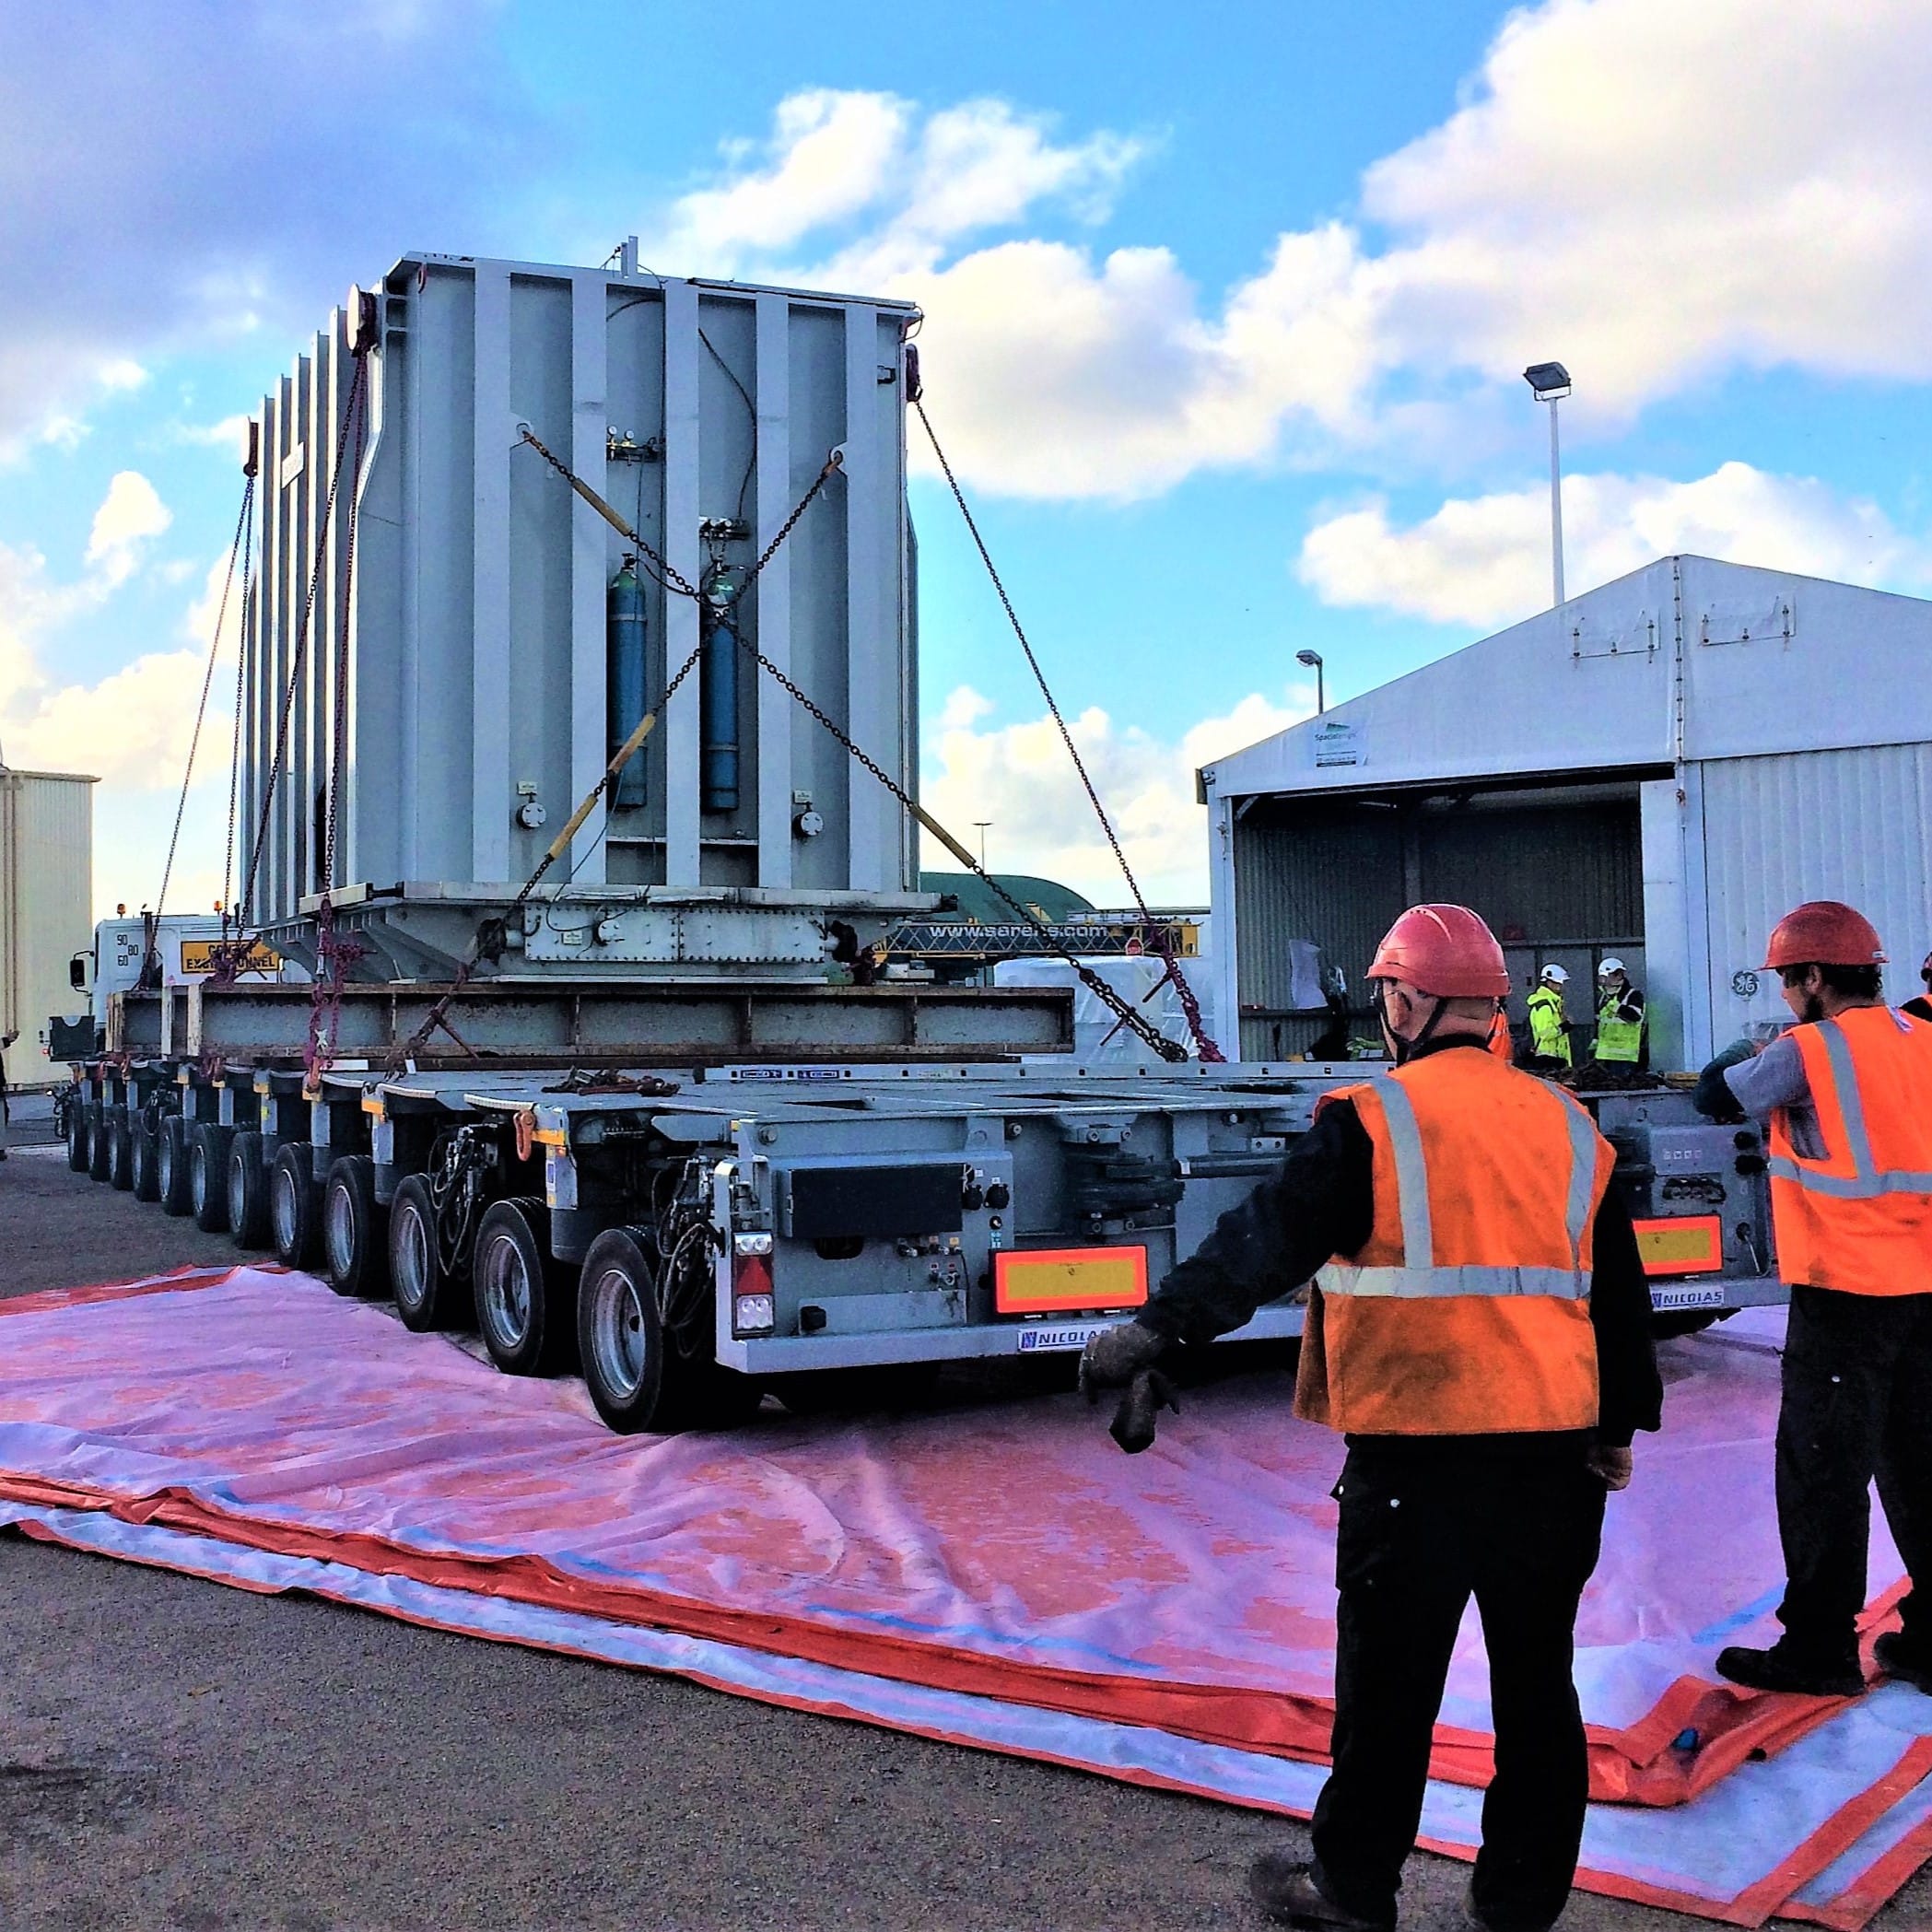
(1858, 1218)
(1414, 1279)
(1617, 1040)
(1868, 1179)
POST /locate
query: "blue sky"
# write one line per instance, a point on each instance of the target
(1225, 324)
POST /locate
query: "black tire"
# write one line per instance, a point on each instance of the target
(78, 1135)
(294, 1207)
(172, 1167)
(121, 1149)
(145, 1160)
(98, 1148)
(355, 1229)
(428, 1295)
(208, 1175)
(248, 1191)
(525, 1302)
(635, 1379)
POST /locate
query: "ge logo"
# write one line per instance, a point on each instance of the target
(1745, 985)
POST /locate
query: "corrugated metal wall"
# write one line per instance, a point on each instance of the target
(46, 901)
(1836, 825)
(1565, 877)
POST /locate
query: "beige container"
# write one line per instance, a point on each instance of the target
(46, 909)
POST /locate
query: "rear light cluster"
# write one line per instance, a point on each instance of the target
(754, 1308)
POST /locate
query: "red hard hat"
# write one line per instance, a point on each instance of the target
(1443, 950)
(1824, 932)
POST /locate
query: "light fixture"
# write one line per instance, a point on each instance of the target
(1312, 659)
(1549, 382)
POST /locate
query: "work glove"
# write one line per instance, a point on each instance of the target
(1123, 1357)
(1611, 1466)
(1114, 1356)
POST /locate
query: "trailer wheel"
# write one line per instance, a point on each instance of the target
(97, 1149)
(636, 1381)
(619, 1338)
(354, 1244)
(525, 1310)
(76, 1111)
(295, 1220)
(428, 1295)
(248, 1191)
(207, 1176)
(144, 1159)
(121, 1149)
(172, 1167)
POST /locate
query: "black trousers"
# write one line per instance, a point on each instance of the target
(1420, 1534)
(1857, 1403)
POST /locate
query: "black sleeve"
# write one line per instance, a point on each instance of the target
(1320, 1204)
(1630, 1393)
(1712, 1097)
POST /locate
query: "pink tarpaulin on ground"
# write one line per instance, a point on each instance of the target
(1006, 1556)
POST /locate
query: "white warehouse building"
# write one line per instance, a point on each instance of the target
(1656, 769)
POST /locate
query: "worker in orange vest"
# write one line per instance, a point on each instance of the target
(1479, 1329)
(1848, 1092)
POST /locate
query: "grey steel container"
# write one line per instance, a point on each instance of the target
(475, 629)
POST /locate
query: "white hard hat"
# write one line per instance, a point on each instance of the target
(1556, 975)
(1609, 966)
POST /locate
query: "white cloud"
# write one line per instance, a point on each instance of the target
(130, 513)
(1658, 193)
(1485, 560)
(1019, 778)
(126, 235)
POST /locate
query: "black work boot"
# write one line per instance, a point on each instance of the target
(1899, 1656)
(1784, 1667)
(1284, 1888)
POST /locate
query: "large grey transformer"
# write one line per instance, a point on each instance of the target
(479, 638)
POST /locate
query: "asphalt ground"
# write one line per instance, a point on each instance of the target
(178, 1754)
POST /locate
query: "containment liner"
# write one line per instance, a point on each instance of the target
(999, 1575)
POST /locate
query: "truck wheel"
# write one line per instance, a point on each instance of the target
(619, 1337)
(354, 1244)
(294, 1213)
(121, 1149)
(207, 1176)
(248, 1191)
(525, 1310)
(428, 1295)
(77, 1136)
(144, 1159)
(635, 1379)
(172, 1167)
(97, 1149)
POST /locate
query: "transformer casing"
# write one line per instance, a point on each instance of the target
(475, 625)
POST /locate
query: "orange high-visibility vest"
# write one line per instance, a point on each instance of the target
(1860, 1219)
(1499, 1042)
(1468, 1312)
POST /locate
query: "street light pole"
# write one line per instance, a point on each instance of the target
(1549, 382)
(1556, 506)
(982, 824)
(1313, 659)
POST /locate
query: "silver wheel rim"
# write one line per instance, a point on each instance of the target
(411, 1259)
(339, 1231)
(505, 1298)
(137, 1159)
(238, 1196)
(281, 1195)
(617, 1344)
(198, 1176)
(164, 1165)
